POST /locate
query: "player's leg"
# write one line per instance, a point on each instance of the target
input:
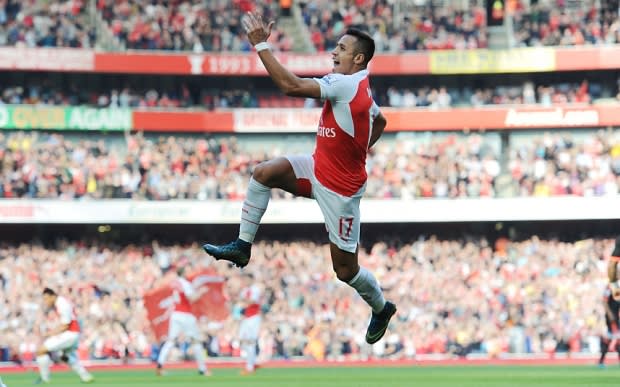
(193, 333)
(76, 365)
(277, 173)
(44, 361)
(347, 269)
(248, 336)
(60, 342)
(608, 339)
(174, 329)
(342, 217)
(201, 359)
(615, 337)
(604, 344)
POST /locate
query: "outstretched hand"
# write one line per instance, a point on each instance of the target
(255, 28)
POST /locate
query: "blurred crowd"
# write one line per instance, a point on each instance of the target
(399, 96)
(566, 23)
(402, 26)
(395, 26)
(527, 94)
(54, 23)
(43, 165)
(193, 25)
(454, 297)
(198, 26)
(173, 98)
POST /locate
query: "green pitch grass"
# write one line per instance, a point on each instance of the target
(443, 376)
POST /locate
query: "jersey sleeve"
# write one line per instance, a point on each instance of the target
(64, 310)
(337, 87)
(250, 294)
(254, 294)
(187, 289)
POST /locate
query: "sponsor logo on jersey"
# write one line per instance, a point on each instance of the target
(326, 132)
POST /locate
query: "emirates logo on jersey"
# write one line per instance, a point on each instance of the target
(324, 131)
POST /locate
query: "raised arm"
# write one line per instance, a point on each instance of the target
(289, 83)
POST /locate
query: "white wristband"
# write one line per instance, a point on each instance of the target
(262, 46)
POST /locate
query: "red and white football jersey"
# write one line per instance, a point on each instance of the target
(183, 290)
(344, 131)
(251, 295)
(66, 313)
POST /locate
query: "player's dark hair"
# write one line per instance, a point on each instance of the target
(365, 43)
(49, 292)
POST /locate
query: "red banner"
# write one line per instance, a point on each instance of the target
(566, 116)
(588, 58)
(182, 121)
(306, 120)
(159, 303)
(558, 59)
(248, 64)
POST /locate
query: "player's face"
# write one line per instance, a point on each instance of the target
(344, 55)
(48, 300)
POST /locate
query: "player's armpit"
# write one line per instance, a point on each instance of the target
(304, 87)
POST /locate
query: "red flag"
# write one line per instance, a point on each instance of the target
(159, 303)
(212, 304)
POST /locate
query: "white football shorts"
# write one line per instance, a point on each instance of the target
(249, 328)
(186, 323)
(341, 213)
(64, 341)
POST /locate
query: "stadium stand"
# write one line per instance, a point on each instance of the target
(49, 165)
(198, 113)
(469, 296)
(400, 97)
(213, 26)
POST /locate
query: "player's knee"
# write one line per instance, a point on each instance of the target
(344, 273)
(262, 174)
